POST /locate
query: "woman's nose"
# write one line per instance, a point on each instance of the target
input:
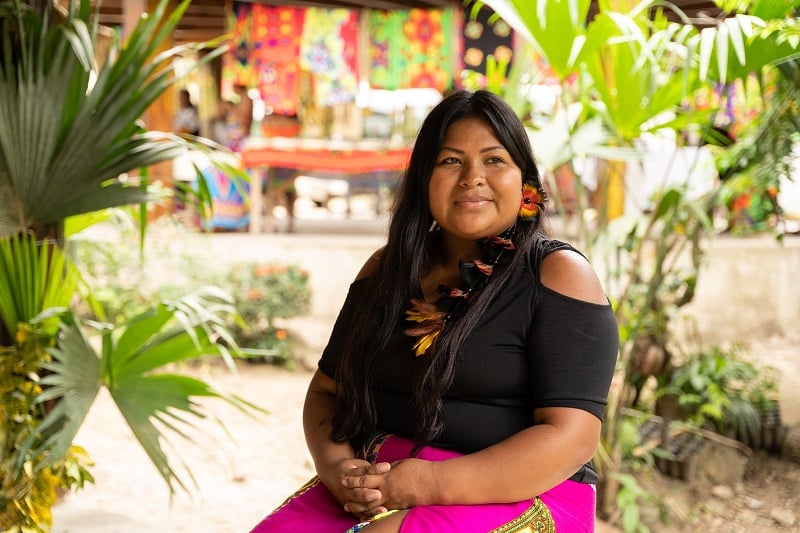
(472, 176)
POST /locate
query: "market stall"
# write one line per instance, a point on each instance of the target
(307, 156)
(343, 90)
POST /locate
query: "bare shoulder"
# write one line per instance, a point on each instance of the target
(370, 265)
(569, 273)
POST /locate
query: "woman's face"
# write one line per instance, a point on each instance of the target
(476, 188)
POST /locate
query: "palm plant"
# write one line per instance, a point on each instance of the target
(57, 106)
(70, 142)
(36, 283)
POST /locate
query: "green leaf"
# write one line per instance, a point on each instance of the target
(668, 202)
(173, 347)
(554, 28)
(34, 277)
(139, 330)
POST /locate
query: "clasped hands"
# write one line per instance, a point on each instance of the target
(366, 489)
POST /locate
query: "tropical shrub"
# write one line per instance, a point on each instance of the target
(263, 293)
(719, 390)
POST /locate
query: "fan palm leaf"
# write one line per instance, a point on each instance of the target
(638, 69)
(556, 28)
(133, 364)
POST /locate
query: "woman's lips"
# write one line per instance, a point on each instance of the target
(472, 202)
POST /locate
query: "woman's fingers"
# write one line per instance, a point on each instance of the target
(363, 510)
(363, 482)
(372, 513)
(365, 477)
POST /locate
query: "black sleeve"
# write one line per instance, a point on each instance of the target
(342, 326)
(573, 349)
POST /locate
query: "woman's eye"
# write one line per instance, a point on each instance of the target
(449, 161)
(494, 160)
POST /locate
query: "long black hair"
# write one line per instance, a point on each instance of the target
(407, 256)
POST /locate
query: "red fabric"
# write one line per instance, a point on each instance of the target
(349, 161)
(276, 33)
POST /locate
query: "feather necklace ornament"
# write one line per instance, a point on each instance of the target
(431, 318)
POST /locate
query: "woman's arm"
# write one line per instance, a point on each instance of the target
(524, 465)
(317, 411)
(520, 467)
(333, 460)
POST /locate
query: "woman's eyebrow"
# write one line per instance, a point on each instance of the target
(487, 149)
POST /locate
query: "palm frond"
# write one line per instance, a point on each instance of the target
(132, 365)
(556, 28)
(52, 116)
(756, 44)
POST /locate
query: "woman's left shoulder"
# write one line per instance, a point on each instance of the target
(566, 271)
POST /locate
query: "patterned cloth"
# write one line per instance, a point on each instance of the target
(236, 66)
(568, 506)
(276, 33)
(488, 46)
(411, 48)
(229, 208)
(270, 44)
(329, 50)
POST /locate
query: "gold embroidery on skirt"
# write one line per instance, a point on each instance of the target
(535, 519)
(307, 486)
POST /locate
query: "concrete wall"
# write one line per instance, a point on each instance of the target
(748, 289)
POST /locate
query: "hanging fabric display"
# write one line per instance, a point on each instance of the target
(385, 48)
(329, 50)
(488, 47)
(429, 51)
(411, 48)
(236, 66)
(276, 32)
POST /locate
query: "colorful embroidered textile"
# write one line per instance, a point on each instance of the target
(236, 66)
(276, 34)
(385, 31)
(411, 48)
(568, 506)
(230, 210)
(329, 50)
(488, 47)
(428, 56)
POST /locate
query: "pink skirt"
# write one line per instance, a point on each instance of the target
(566, 508)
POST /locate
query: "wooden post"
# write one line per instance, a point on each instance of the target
(159, 115)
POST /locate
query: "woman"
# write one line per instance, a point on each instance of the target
(465, 380)
(186, 119)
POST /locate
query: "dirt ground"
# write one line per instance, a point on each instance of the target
(246, 468)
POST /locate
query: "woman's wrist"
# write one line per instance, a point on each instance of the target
(437, 493)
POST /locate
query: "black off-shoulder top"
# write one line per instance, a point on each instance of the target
(533, 348)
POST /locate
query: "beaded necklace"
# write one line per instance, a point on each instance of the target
(430, 318)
